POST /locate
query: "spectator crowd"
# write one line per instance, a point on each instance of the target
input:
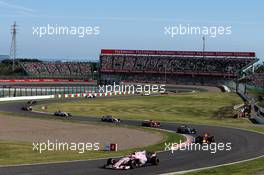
(57, 69)
(169, 64)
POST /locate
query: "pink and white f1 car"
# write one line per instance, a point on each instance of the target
(134, 160)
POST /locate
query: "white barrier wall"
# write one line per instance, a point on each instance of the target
(227, 89)
(27, 98)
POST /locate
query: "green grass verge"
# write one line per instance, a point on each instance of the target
(203, 108)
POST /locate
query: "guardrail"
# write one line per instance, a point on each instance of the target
(256, 119)
(259, 110)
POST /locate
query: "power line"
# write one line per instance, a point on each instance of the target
(12, 54)
(203, 43)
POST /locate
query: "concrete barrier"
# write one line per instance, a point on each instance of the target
(27, 98)
(258, 120)
(225, 88)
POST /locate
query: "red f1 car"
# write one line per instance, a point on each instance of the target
(150, 123)
(205, 138)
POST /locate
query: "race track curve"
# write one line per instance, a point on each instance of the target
(245, 145)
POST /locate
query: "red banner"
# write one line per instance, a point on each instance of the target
(38, 80)
(180, 53)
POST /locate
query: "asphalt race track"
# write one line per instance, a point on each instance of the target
(245, 145)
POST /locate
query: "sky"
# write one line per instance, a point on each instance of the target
(124, 24)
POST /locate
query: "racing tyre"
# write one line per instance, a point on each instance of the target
(110, 161)
(132, 164)
(154, 161)
(179, 131)
(212, 139)
(199, 140)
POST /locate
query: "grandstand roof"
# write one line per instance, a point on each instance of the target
(177, 53)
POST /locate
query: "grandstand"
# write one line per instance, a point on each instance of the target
(55, 69)
(187, 67)
(172, 66)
